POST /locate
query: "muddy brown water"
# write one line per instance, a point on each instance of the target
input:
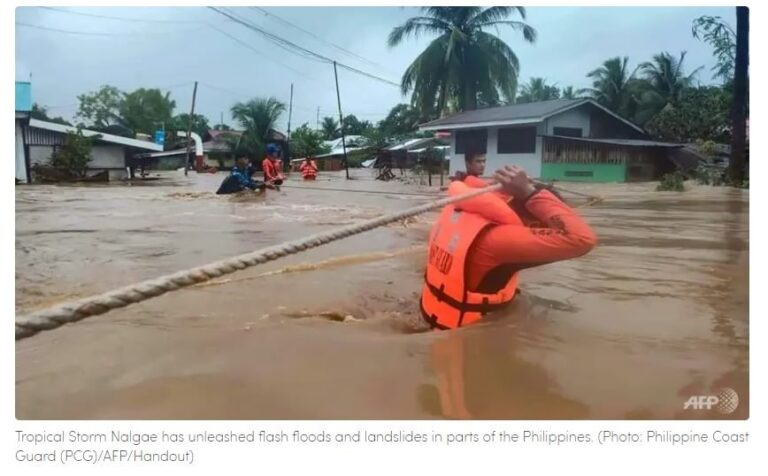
(656, 313)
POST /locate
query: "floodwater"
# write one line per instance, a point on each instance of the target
(658, 312)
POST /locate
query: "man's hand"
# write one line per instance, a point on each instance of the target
(514, 181)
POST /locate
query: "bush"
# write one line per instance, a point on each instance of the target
(673, 182)
(74, 155)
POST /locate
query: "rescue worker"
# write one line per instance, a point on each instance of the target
(478, 247)
(239, 179)
(271, 166)
(308, 169)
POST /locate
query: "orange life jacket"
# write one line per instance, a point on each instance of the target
(271, 169)
(308, 170)
(446, 303)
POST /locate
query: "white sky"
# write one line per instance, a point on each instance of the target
(170, 56)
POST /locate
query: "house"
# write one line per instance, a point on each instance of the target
(334, 160)
(109, 152)
(562, 139)
(23, 111)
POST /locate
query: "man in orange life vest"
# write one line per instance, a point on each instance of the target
(478, 247)
(271, 166)
(308, 169)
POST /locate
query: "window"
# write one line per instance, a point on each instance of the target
(579, 173)
(567, 131)
(517, 140)
(475, 140)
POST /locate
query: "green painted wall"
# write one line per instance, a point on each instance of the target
(600, 172)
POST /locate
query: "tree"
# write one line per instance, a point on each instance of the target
(613, 86)
(306, 142)
(180, 122)
(101, 108)
(330, 128)
(569, 93)
(41, 113)
(664, 83)
(716, 32)
(537, 89)
(739, 109)
(257, 118)
(401, 120)
(74, 154)
(352, 125)
(144, 110)
(464, 65)
(700, 114)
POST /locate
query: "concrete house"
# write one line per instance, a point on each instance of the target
(563, 139)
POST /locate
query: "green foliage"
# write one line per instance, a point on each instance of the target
(144, 110)
(306, 142)
(74, 154)
(401, 120)
(672, 182)
(222, 127)
(722, 38)
(376, 137)
(180, 122)
(353, 126)
(700, 114)
(41, 113)
(330, 128)
(664, 82)
(100, 108)
(613, 86)
(537, 89)
(257, 118)
(464, 66)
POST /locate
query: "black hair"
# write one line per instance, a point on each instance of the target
(469, 155)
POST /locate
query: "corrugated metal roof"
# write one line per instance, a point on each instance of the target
(532, 111)
(628, 142)
(139, 144)
(526, 113)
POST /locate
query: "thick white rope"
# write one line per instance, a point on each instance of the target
(47, 319)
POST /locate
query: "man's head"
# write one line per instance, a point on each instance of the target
(242, 161)
(475, 162)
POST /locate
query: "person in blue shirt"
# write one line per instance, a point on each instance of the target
(239, 179)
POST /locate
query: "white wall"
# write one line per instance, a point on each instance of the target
(578, 117)
(107, 157)
(39, 154)
(21, 167)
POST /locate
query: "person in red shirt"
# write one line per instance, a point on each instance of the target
(271, 166)
(478, 247)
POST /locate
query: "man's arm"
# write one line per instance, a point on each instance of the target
(564, 236)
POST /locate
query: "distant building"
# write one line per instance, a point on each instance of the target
(109, 153)
(563, 139)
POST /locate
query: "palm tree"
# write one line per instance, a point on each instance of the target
(537, 89)
(663, 83)
(569, 93)
(464, 64)
(257, 118)
(613, 86)
(330, 128)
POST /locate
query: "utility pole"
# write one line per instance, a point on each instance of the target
(189, 128)
(341, 121)
(221, 120)
(287, 161)
(318, 118)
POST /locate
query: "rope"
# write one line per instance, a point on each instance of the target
(384, 192)
(51, 318)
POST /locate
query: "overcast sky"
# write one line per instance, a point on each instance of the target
(172, 47)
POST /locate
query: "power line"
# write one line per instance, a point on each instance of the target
(350, 53)
(242, 43)
(92, 33)
(296, 49)
(93, 15)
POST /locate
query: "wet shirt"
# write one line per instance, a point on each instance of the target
(243, 177)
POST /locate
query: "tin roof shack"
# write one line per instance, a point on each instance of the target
(110, 154)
